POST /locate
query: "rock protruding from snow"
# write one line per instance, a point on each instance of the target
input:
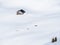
(54, 39)
(20, 12)
(55, 43)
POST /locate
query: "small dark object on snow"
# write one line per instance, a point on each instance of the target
(54, 39)
(20, 12)
(36, 25)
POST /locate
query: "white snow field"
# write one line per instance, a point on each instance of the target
(37, 26)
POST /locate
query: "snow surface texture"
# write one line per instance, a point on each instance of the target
(37, 26)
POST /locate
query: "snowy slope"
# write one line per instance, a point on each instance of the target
(21, 29)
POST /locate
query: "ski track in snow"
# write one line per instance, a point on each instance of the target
(21, 29)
